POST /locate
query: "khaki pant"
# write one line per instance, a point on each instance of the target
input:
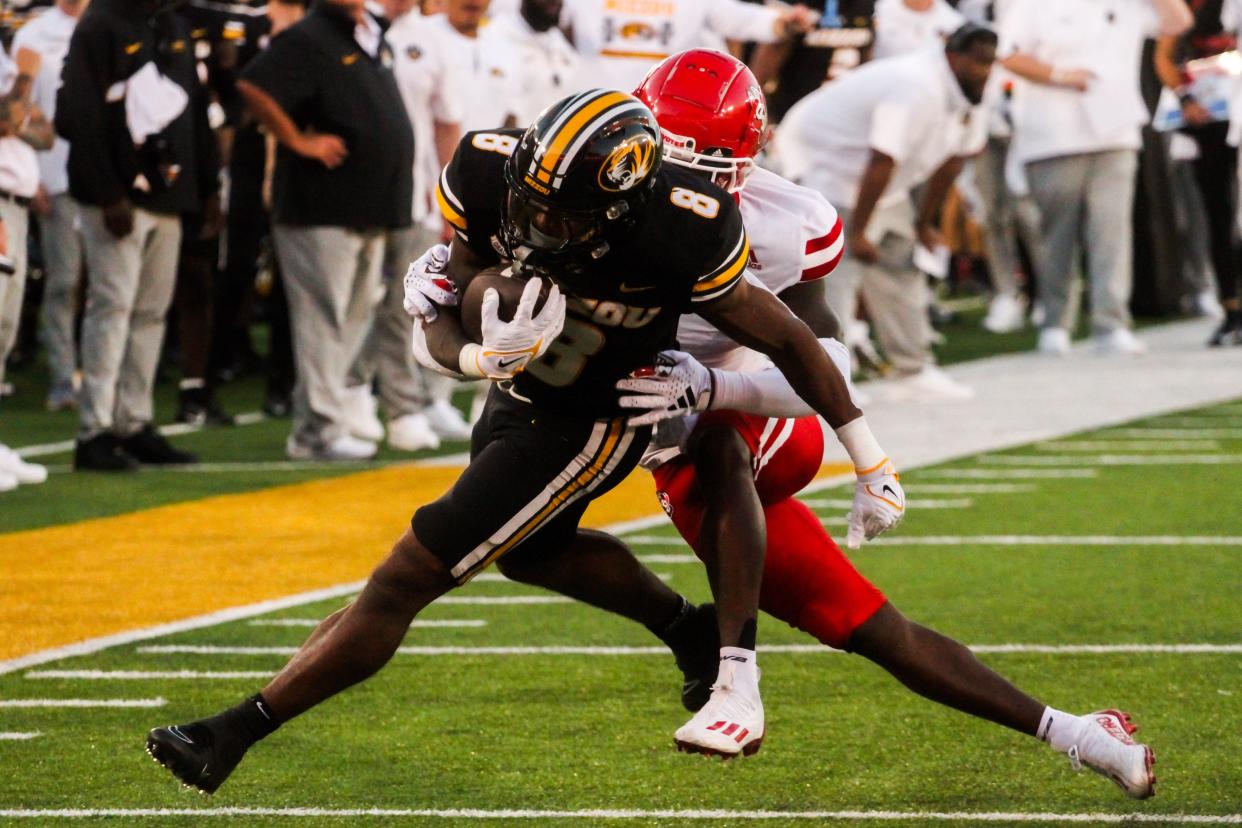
(332, 279)
(127, 297)
(61, 236)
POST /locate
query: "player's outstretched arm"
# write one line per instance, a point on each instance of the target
(761, 321)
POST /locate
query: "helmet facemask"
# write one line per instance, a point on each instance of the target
(724, 171)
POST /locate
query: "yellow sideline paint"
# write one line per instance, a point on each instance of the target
(65, 584)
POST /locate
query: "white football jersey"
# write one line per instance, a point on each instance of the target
(546, 63)
(795, 236)
(485, 72)
(620, 40)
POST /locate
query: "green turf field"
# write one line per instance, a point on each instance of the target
(560, 733)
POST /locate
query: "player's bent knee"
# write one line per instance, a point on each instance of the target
(721, 451)
(410, 575)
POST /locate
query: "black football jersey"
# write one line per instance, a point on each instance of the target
(688, 250)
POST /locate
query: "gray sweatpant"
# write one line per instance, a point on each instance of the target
(332, 279)
(62, 267)
(12, 286)
(127, 297)
(405, 387)
(1006, 219)
(894, 291)
(1086, 202)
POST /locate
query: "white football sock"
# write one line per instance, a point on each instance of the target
(1060, 730)
(739, 669)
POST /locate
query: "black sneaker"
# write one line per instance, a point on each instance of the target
(199, 407)
(200, 756)
(147, 446)
(695, 643)
(1229, 333)
(103, 452)
(277, 403)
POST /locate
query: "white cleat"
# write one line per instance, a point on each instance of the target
(13, 465)
(1119, 341)
(731, 723)
(361, 417)
(1105, 745)
(446, 421)
(412, 432)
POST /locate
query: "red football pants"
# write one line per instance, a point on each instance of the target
(807, 581)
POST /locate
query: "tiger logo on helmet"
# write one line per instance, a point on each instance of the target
(628, 165)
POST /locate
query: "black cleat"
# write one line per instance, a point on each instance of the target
(200, 756)
(103, 452)
(199, 407)
(1229, 333)
(150, 448)
(696, 645)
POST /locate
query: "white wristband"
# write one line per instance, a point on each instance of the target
(468, 361)
(861, 445)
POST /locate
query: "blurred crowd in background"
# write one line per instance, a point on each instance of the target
(213, 189)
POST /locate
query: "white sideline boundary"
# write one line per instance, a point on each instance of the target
(1177, 433)
(1043, 649)
(627, 814)
(418, 623)
(15, 736)
(147, 675)
(1113, 460)
(1056, 540)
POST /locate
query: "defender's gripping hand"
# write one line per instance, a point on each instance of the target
(427, 288)
(508, 347)
(879, 503)
(678, 384)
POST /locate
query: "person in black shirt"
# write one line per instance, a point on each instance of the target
(344, 175)
(133, 175)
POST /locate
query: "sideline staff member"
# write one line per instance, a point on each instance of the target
(325, 90)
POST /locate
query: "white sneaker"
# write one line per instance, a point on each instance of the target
(1206, 304)
(1006, 314)
(1054, 342)
(346, 447)
(1119, 341)
(930, 384)
(1038, 314)
(26, 474)
(1106, 747)
(411, 432)
(7, 482)
(447, 421)
(360, 414)
(731, 723)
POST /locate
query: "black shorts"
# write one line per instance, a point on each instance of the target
(531, 475)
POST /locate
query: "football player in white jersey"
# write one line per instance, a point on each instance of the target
(724, 464)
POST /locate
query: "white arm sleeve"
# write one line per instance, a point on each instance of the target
(736, 20)
(768, 393)
(423, 356)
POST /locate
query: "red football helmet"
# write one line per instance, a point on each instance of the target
(712, 113)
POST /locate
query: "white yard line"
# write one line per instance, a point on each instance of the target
(1178, 433)
(1010, 474)
(147, 675)
(156, 702)
(1128, 445)
(590, 815)
(1056, 540)
(1196, 422)
(1172, 649)
(669, 559)
(19, 736)
(914, 503)
(916, 489)
(416, 624)
(171, 430)
(504, 600)
(1113, 460)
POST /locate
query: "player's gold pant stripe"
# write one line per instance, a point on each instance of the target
(567, 133)
(733, 270)
(577, 486)
(450, 215)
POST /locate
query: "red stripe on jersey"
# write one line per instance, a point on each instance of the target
(826, 241)
(820, 271)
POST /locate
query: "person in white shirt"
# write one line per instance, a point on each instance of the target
(415, 401)
(43, 43)
(484, 72)
(23, 129)
(1077, 122)
(547, 64)
(619, 40)
(904, 26)
(866, 141)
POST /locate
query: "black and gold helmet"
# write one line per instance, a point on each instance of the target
(579, 178)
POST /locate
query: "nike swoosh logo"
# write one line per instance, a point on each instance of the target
(505, 363)
(176, 731)
(889, 489)
(627, 289)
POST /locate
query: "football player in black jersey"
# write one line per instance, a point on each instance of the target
(580, 198)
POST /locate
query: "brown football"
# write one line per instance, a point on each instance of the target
(509, 287)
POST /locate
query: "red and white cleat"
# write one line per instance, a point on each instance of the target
(731, 723)
(1105, 745)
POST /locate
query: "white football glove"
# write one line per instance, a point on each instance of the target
(879, 504)
(678, 384)
(427, 288)
(508, 347)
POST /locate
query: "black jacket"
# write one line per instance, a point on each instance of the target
(113, 40)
